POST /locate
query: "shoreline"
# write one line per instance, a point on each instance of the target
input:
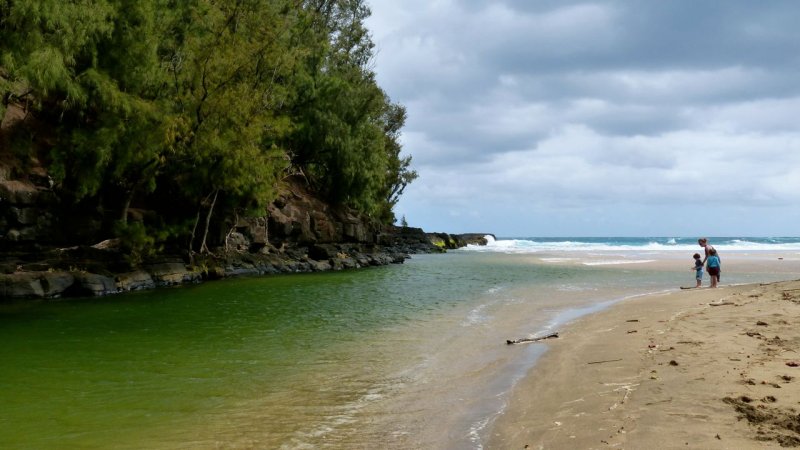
(666, 371)
(102, 270)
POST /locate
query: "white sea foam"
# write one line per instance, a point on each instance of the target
(557, 260)
(573, 288)
(617, 261)
(345, 414)
(476, 316)
(535, 245)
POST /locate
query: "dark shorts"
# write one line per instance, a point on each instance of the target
(713, 271)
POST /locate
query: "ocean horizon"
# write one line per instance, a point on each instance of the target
(656, 243)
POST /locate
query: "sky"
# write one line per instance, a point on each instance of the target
(596, 118)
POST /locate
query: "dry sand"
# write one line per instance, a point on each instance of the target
(702, 368)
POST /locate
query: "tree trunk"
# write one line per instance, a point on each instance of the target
(203, 245)
(191, 239)
(126, 205)
(233, 228)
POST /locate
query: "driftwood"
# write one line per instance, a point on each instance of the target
(604, 361)
(721, 303)
(524, 340)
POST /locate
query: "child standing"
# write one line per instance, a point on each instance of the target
(713, 267)
(698, 268)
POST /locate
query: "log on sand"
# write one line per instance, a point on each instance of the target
(526, 340)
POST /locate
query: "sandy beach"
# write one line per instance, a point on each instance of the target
(699, 368)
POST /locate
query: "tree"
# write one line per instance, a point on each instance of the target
(228, 68)
(197, 108)
(346, 134)
(90, 68)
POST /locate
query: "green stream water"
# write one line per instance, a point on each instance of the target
(400, 356)
(242, 361)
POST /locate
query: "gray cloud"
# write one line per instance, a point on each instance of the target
(534, 114)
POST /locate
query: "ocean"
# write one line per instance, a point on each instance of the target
(655, 244)
(401, 356)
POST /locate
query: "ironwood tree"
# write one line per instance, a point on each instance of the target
(198, 108)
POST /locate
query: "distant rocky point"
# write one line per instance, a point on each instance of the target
(453, 241)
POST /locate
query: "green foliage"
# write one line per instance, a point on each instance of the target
(137, 242)
(226, 94)
(167, 102)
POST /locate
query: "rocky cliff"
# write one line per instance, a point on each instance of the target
(41, 258)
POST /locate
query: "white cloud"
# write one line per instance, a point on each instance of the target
(596, 117)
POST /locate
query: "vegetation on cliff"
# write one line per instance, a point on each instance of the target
(195, 110)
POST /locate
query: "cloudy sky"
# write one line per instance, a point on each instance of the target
(596, 118)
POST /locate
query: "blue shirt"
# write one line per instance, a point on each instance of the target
(713, 261)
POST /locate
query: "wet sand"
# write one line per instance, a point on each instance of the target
(700, 368)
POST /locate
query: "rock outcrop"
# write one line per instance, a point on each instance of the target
(298, 233)
(25, 210)
(52, 247)
(453, 241)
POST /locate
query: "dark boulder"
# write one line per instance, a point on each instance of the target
(92, 284)
(35, 284)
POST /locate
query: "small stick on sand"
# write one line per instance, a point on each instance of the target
(523, 340)
(625, 397)
(721, 303)
(605, 361)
